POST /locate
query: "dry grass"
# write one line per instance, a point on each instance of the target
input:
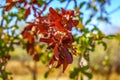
(20, 72)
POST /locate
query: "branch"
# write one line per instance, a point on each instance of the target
(49, 2)
(2, 19)
(75, 3)
(3, 6)
(67, 4)
(111, 12)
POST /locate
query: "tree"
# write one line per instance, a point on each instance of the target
(54, 29)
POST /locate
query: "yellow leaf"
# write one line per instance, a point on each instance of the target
(1, 31)
(37, 48)
(6, 37)
(77, 9)
(25, 40)
(78, 51)
(80, 26)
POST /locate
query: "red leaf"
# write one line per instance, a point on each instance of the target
(58, 64)
(75, 22)
(67, 40)
(65, 57)
(34, 1)
(36, 57)
(56, 51)
(30, 48)
(42, 28)
(57, 36)
(65, 64)
(31, 51)
(27, 12)
(28, 28)
(7, 8)
(63, 11)
(54, 13)
(46, 40)
(28, 36)
(52, 61)
(21, 1)
(69, 25)
(71, 12)
(59, 26)
(68, 55)
(51, 46)
(8, 1)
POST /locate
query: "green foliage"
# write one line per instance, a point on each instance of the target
(41, 2)
(82, 4)
(77, 71)
(74, 73)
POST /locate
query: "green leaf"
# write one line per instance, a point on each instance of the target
(104, 44)
(86, 56)
(85, 68)
(74, 73)
(88, 5)
(82, 4)
(41, 2)
(88, 21)
(89, 75)
(62, 1)
(5, 74)
(46, 74)
(95, 8)
(110, 36)
(92, 48)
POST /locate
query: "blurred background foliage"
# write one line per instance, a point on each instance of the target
(97, 54)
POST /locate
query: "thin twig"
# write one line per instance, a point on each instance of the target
(3, 6)
(67, 4)
(49, 2)
(116, 9)
(2, 19)
(75, 3)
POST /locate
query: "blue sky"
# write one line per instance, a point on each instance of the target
(115, 17)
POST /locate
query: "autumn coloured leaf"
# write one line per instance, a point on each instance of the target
(36, 57)
(55, 29)
(54, 14)
(56, 51)
(21, 1)
(50, 40)
(58, 26)
(80, 26)
(27, 12)
(9, 6)
(11, 3)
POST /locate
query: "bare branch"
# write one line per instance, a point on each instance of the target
(49, 2)
(75, 3)
(116, 9)
(3, 6)
(67, 4)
